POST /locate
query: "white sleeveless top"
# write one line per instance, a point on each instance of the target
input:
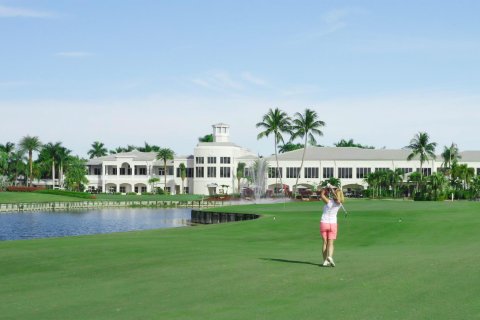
(330, 211)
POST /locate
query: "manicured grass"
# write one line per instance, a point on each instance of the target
(166, 197)
(23, 197)
(424, 267)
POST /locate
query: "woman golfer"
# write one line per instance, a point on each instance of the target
(328, 223)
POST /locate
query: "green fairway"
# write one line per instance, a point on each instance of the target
(24, 197)
(395, 260)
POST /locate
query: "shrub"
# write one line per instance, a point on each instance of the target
(131, 193)
(24, 189)
(74, 194)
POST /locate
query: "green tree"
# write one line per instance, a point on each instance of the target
(437, 183)
(153, 181)
(50, 155)
(76, 174)
(289, 146)
(98, 150)
(306, 126)
(148, 148)
(206, 138)
(63, 158)
(30, 144)
(183, 173)
(275, 122)
(240, 174)
(421, 147)
(165, 154)
(351, 143)
(3, 168)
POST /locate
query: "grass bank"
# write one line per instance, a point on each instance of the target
(38, 197)
(395, 260)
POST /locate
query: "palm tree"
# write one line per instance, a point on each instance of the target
(351, 143)
(240, 173)
(450, 157)
(306, 125)
(165, 154)
(9, 149)
(30, 144)
(49, 154)
(183, 173)
(275, 122)
(98, 150)
(152, 182)
(289, 146)
(421, 147)
(148, 148)
(437, 183)
(63, 158)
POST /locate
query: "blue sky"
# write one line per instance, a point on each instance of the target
(125, 72)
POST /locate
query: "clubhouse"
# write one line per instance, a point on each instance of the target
(211, 169)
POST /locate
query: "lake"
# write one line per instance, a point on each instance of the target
(31, 225)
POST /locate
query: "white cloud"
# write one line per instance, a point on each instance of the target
(74, 54)
(15, 12)
(253, 79)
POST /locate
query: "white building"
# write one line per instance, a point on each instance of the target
(212, 167)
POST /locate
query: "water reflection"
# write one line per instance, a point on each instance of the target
(29, 225)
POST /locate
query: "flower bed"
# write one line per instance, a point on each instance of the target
(24, 189)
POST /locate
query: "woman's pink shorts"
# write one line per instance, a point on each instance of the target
(328, 231)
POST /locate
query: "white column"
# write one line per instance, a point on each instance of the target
(104, 173)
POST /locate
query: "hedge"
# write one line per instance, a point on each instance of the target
(82, 195)
(24, 189)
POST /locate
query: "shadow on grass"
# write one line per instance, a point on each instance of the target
(293, 261)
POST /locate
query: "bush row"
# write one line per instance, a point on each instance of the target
(74, 194)
(24, 189)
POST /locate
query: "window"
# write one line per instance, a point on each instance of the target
(327, 173)
(114, 171)
(161, 171)
(212, 160)
(122, 171)
(188, 173)
(170, 171)
(185, 190)
(122, 189)
(224, 172)
(345, 173)
(425, 171)
(167, 189)
(293, 172)
(405, 170)
(136, 189)
(311, 173)
(142, 171)
(225, 160)
(112, 189)
(144, 189)
(199, 160)
(363, 172)
(199, 172)
(97, 171)
(381, 169)
(274, 172)
(211, 172)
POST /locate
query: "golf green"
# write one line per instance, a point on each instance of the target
(395, 260)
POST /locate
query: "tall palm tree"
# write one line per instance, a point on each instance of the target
(30, 144)
(98, 150)
(450, 157)
(148, 148)
(183, 173)
(421, 146)
(9, 149)
(63, 158)
(275, 122)
(49, 153)
(307, 126)
(165, 154)
(240, 173)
